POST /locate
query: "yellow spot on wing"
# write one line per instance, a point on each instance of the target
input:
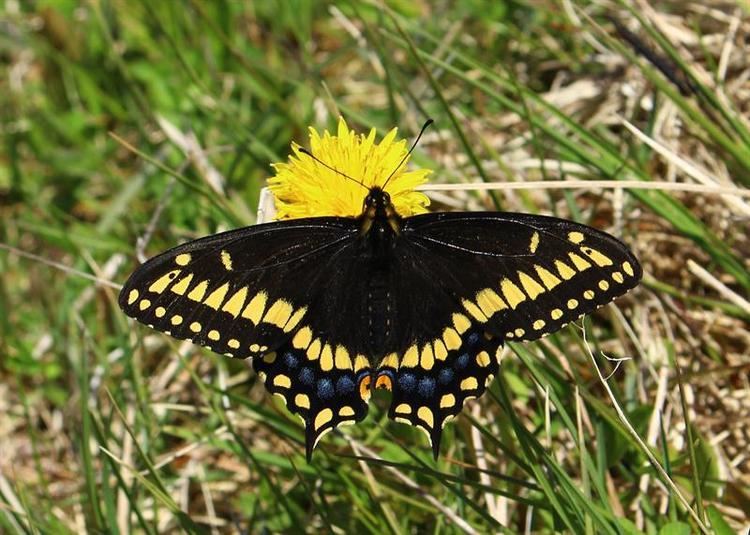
(534, 242)
(214, 335)
(195, 327)
(441, 352)
(425, 414)
(588, 294)
(182, 285)
(530, 286)
(326, 358)
(473, 310)
(411, 357)
(461, 323)
(575, 237)
(603, 285)
(470, 383)
(539, 325)
(341, 358)
(360, 363)
(599, 259)
(572, 304)
(160, 311)
(483, 359)
(133, 296)
(313, 352)
(565, 271)
(627, 268)
(197, 293)
(427, 361)
(182, 259)
(234, 304)
(346, 411)
(617, 277)
(451, 338)
(295, 319)
(447, 401)
(234, 343)
(578, 262)
(403, 408)
(254, 309)
(323, 417)
(547, 278)
(513, 294)
(279, 313)
(302, 338)
(519, 332)
(216, 298)
(389, 361)
(490, 302)
(556, 314)
(144, 304)
(301, 400)
(226, 259)
(176, 319)
(282, 381)
(160, 284)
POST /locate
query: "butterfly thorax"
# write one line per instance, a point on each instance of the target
(379, 219)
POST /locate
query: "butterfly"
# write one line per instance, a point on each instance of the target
(331, 307)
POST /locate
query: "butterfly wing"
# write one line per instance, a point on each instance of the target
(521, 275)
(276, 292)
(465, 282)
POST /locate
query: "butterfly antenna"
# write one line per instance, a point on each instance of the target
(427, 123)
(321, 162)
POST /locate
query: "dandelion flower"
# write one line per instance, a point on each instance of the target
(305, 188)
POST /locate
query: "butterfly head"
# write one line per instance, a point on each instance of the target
(378, 202)
(378, 211)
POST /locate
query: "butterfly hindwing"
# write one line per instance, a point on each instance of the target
(431, 383)
(323, 394)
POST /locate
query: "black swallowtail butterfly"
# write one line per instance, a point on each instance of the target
(332, 307)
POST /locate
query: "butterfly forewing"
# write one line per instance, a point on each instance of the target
(242, 292)
(521, 276)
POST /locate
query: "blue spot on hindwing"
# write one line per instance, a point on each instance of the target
(426, 387)
(472, 339)
(407, 382)
(445, 376)
(462, 361)
(345, 385)
(291, 360)
(307, 376)
(325, 389)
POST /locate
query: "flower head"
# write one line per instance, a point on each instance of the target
(305, 188)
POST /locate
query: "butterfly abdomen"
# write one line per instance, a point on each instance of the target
(379, 312)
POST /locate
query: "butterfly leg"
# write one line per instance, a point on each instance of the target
(433, 390)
